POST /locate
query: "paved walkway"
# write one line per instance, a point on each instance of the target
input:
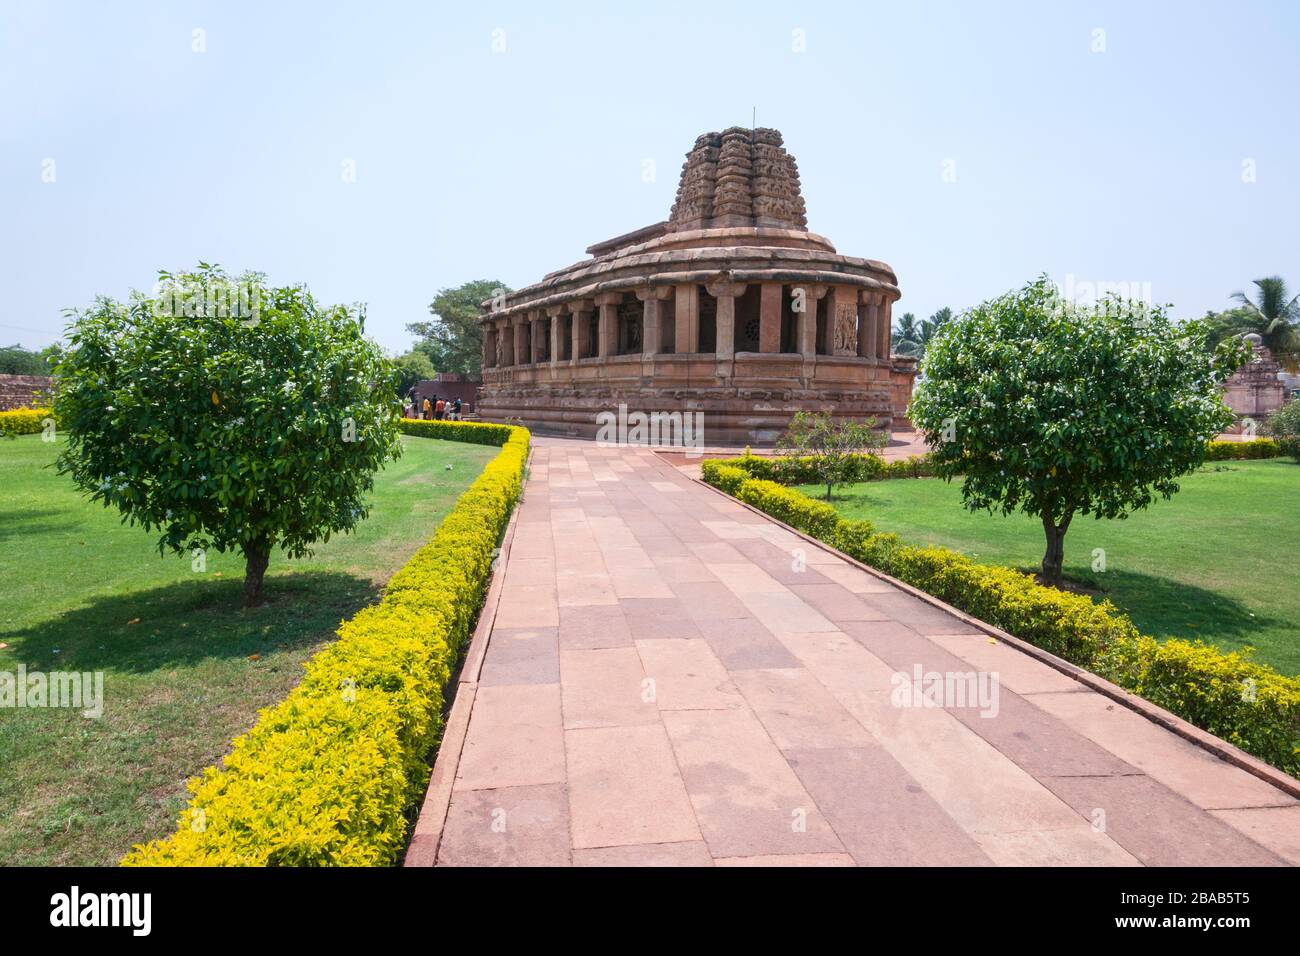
(672, 679)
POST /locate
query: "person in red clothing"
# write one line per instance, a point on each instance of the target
(438, 409)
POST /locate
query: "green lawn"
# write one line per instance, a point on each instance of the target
(1217, 561)
(185, 669)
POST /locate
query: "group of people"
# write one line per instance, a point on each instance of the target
(432, 408)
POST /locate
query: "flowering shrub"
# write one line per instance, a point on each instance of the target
(23, 421)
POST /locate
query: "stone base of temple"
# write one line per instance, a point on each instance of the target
(748, 400)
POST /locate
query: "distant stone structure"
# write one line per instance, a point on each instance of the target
(730, 308)
(24, 391)
(1254, 391)
(451, 386)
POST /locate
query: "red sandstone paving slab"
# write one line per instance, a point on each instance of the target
(529, 572)
(625, 789)
(1180, 765)
(640, 583)
(1017, 671)
(785, 566)
(604, 688)
(744, 644)
(528, 606)
(625, 559)
(798, 711)
(595, 587)
(687, 676)
(745, 577)
(855, 579)
(790, 859)
(879, 812)
(1275, 828)
(784, 611)
(522, 656)
(515, 738)
(647, 854)
(513, 826)
(650, 618)
(716, 552)
(836, 603)
(917, 614)
(1156, 825)
(684, 569)
(708, 600)
(1039, 742)
(747, 799)
(732, 530)
(593, 626)
(986, 793)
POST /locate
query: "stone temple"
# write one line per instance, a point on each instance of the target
(731, 309)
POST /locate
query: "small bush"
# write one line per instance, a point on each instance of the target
(1242, 450)
(23, 421)
(795, 509)
(478, 433)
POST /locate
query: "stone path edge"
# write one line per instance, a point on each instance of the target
(426, 834)
(1158, 715)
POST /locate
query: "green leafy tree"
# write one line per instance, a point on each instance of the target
(832, 446)
(414, 366)
(16, 360)
(452, 338)
(227, 415)
(1059, 410)
(1284, 426)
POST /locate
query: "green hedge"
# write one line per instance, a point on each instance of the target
(479, 433)
(801, 471)
(1255, 448)
(328, 776)
(23, 421)
(1245, 703)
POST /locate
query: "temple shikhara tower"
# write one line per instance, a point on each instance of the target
(730, 308)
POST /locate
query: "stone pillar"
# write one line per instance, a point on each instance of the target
(686, 337)
(554, 323)
(505, 335)
(652, 318)
(489, 346)
(769, 317)
(869, 324)
(538, 330)
(608, 329)
(807, 330)
(520, 356)
(580, 320)
(886, 327)
(726, 293)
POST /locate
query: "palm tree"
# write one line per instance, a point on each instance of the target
(912, 338)
(1272, 315)
(907, 337)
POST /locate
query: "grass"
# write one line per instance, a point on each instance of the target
(185, 669)
(1215, 562)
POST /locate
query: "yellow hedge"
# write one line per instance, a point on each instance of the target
(23, 421)
(1249, 704)
(327, 777)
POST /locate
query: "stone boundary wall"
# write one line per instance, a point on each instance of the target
(24, 391)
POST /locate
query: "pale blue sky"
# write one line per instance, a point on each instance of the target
(1119, 166)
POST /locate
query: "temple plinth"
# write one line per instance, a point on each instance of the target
(730, 308)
